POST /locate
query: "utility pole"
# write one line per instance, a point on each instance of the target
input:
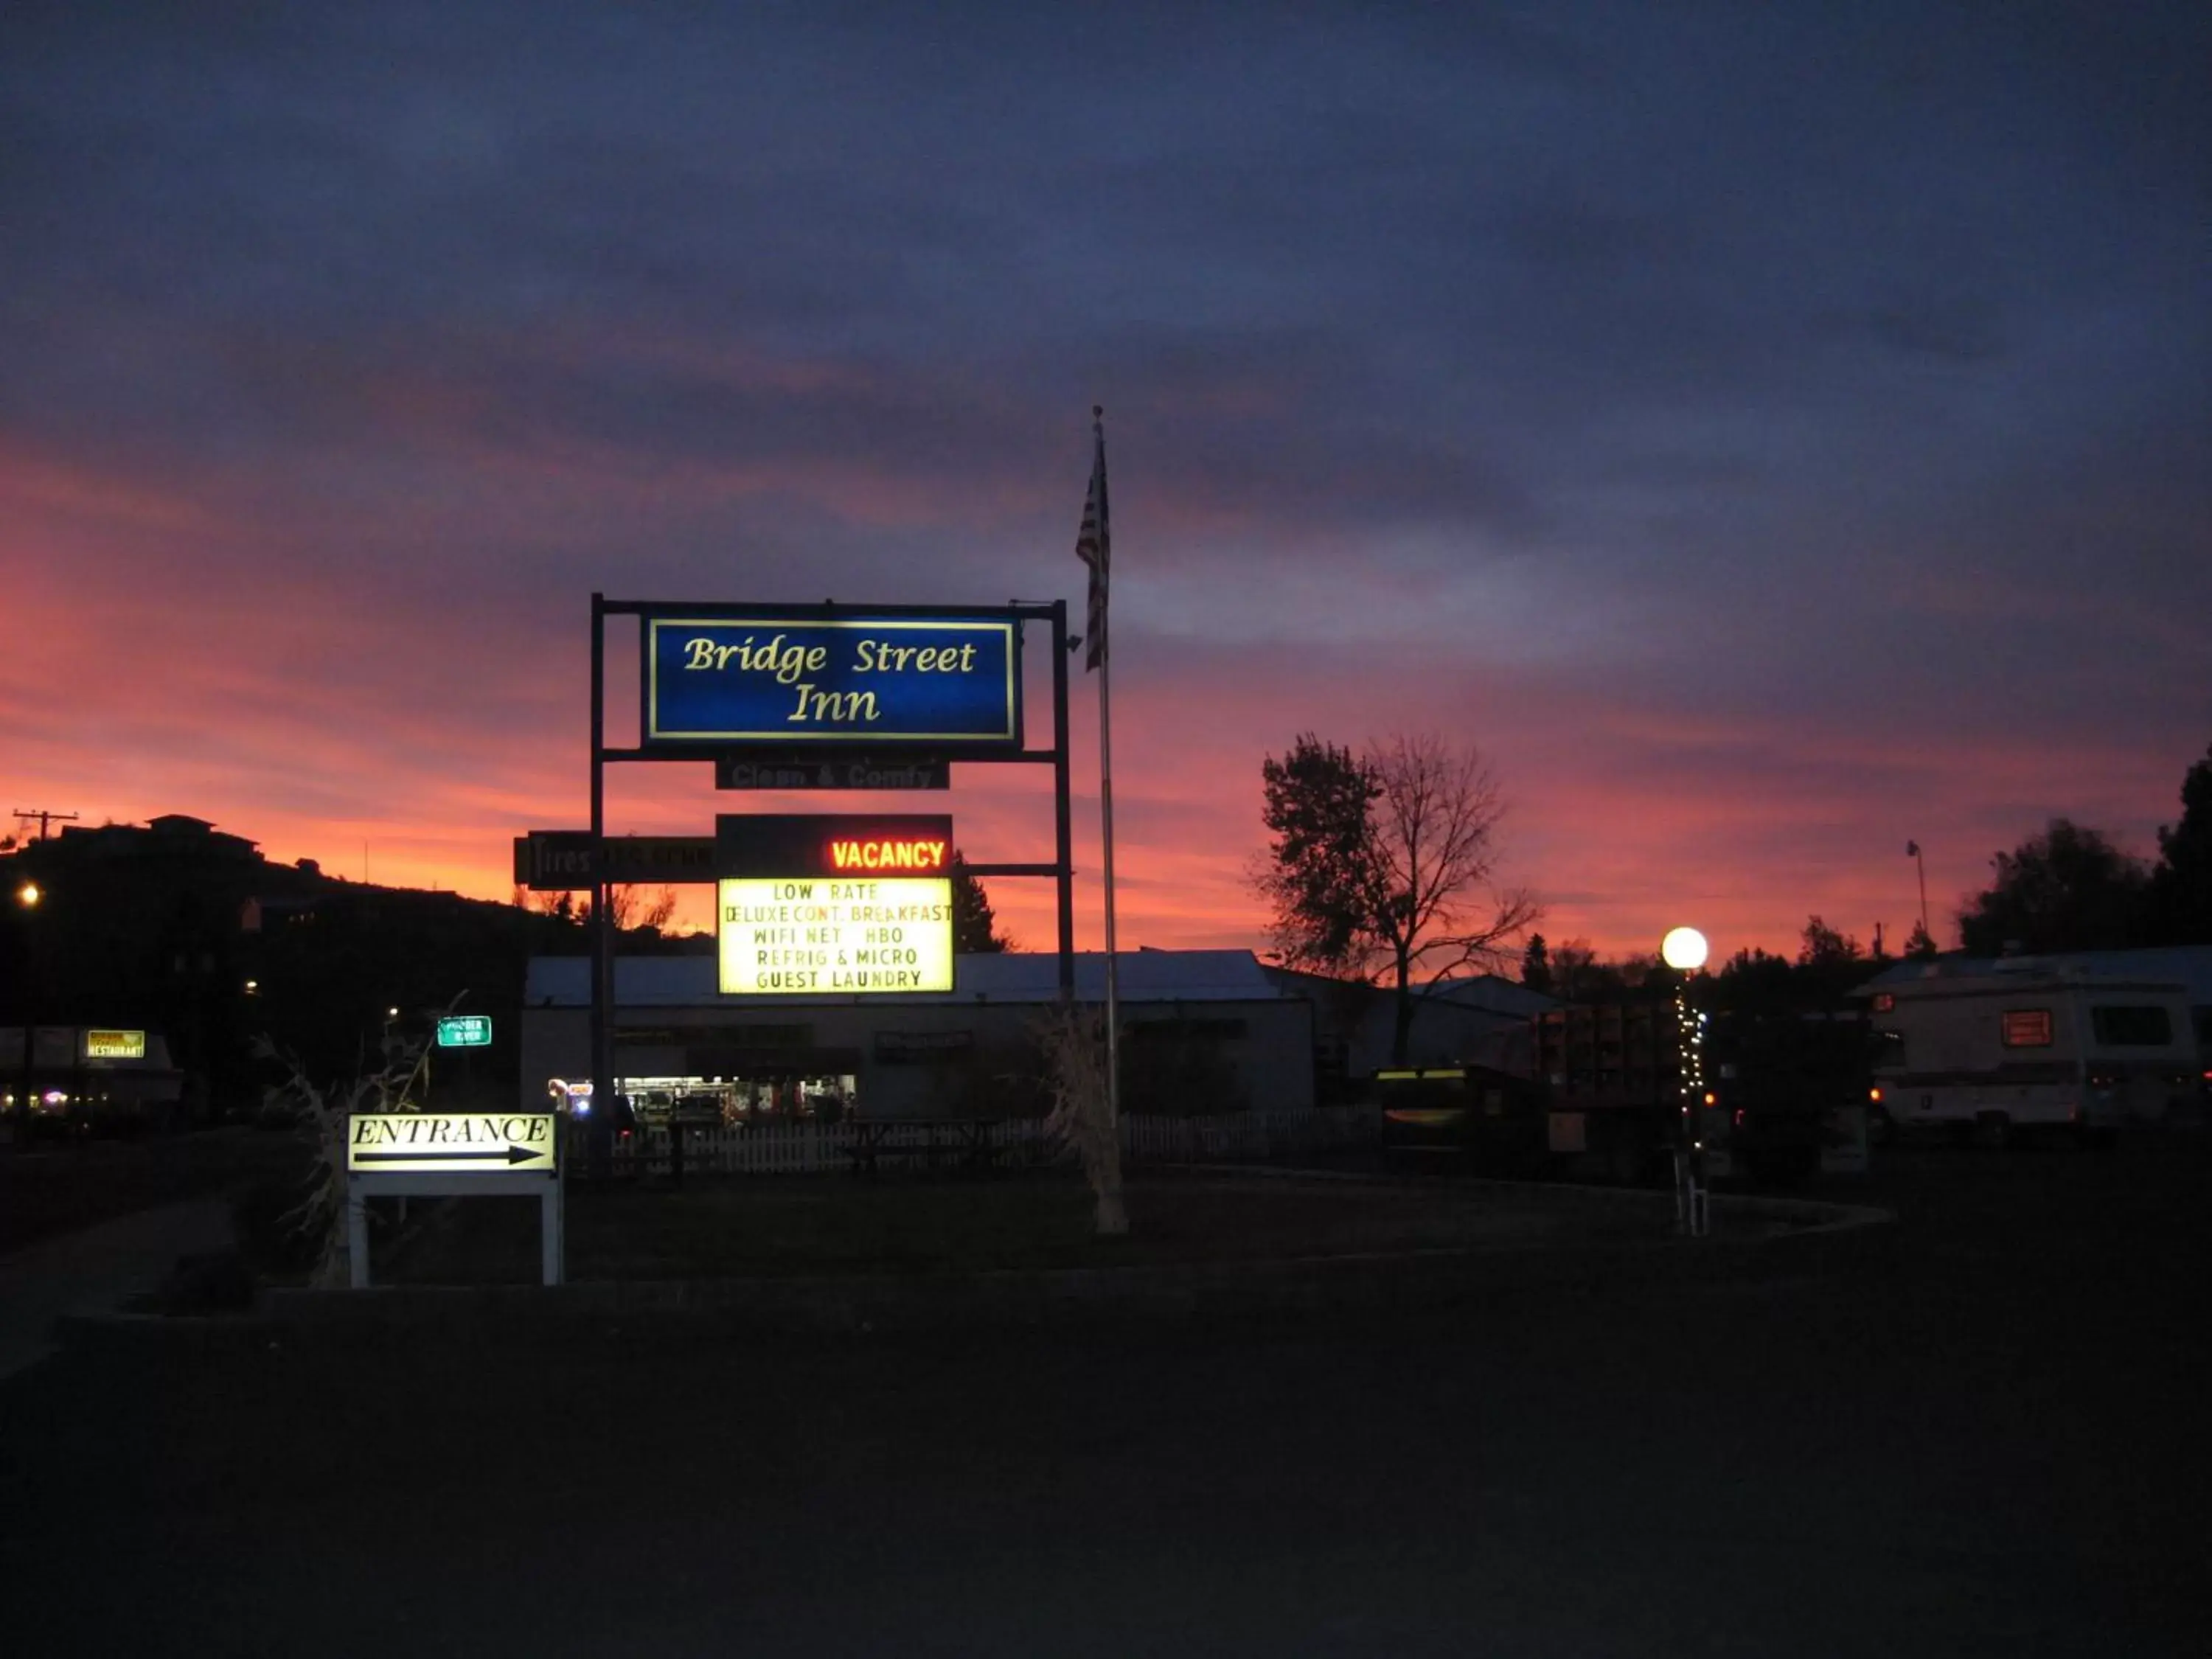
(25, 814)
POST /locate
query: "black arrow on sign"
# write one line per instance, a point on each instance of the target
(507, 1155)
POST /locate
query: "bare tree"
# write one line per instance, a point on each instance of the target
(393, 1082)
(1435, 845)
(629, 908)
(1073, 1043)
(652, 912)
(1384, 867)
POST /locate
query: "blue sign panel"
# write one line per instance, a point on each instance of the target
(887, 682)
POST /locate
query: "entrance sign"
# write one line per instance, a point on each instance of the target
(452, 1143)
(833, 844)
(453, 1155)
(833, 936)
(560, 861)
(818, 680)
(465, 1031)
(732, 772)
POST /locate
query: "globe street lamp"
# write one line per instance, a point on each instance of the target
(1683, 950)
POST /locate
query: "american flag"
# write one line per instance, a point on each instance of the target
(1094, 545)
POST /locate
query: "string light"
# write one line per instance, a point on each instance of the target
(1684, 950)
(1690, 1046)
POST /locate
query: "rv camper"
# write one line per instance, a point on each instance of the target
(2031, 1046)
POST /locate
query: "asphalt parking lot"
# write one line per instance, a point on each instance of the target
(1982, 1433)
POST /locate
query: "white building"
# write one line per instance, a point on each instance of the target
(1202, 1031)
(91, 1076)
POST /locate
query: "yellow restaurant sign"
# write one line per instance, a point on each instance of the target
(816, 936)
(114, 1045)
(451, 1143)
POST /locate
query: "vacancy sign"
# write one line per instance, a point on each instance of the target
(451, 1143)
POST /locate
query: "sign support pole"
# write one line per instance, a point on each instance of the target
(356, 1237)
(600, 1136)
(1106, 828)
(552, 1232)
(1064, 848)
(1103, 575)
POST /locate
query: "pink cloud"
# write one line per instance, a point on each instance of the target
(172, 650)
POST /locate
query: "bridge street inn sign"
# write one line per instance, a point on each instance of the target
(824, 680)
(453, 1154)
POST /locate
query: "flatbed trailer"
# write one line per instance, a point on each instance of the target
(1783, 1097)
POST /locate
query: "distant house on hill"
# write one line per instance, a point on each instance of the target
(187, 932)
(173, 828)
(172, 839)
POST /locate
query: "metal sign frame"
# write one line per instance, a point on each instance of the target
(1061, 869)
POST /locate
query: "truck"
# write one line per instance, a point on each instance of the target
(1770, 1096)
(2029, 1047)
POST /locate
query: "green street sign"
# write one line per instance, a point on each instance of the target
(465, 1031)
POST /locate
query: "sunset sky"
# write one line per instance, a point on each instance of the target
(1771, 432)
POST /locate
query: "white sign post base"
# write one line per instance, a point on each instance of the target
(455, 1155)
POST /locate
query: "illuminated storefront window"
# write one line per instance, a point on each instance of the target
(728, 1102)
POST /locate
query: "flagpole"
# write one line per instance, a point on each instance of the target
(1106, 792)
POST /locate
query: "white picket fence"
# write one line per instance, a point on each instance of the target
(816, 1148)
(1249, 1137)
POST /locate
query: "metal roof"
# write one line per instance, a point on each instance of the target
(1497, 995)
(2185, 965)
(1486, 993)
(1026, 977)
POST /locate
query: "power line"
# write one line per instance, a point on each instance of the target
(25, 814)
